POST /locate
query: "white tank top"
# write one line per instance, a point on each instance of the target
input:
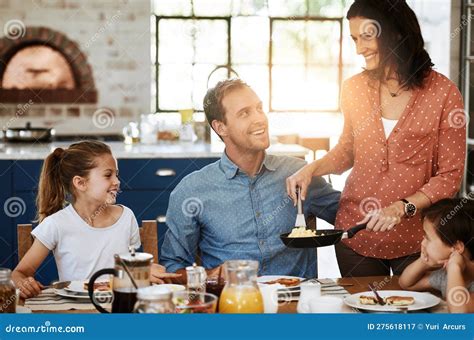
(388, 125)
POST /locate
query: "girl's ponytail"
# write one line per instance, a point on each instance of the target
(51, 191)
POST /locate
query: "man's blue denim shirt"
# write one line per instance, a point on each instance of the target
(228, 215)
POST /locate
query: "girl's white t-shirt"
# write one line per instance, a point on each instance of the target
(79, 249)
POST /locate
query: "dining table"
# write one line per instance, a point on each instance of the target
(351, 284)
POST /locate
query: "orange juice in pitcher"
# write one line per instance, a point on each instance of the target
(241, 293)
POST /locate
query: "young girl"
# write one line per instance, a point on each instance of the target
(84, 235)
(446, 261)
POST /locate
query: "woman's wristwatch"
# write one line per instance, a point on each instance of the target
(410, 208)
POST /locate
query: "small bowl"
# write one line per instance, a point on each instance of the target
(188, 302)
(326, 304)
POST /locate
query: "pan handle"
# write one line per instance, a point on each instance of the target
(354, 230)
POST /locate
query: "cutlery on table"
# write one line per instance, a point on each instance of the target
(377, 296)
(58, 285)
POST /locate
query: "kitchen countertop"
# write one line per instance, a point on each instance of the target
(146, 151)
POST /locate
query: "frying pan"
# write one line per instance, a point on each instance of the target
(323, 238)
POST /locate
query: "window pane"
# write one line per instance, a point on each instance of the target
(211, 41)
(323, 88)
(328, 8)
(200, 74)
(257, 77)
(172, 7)
(323, 42)
(212, 8)
(175, 41)
(288, 42)
(295, 88)
(217, 75)
(175, 85)
(250, 40)
(287, 8)
(250, 7)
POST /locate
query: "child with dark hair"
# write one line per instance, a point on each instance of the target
(446, 261)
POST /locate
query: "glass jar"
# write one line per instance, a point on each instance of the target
(7, 292)
(241, 293)
(196, 278)
(154, 300)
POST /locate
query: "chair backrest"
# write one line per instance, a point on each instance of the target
(148, 237)
(25, 240)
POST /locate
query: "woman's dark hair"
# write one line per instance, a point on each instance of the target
(401, 44)
(453, 220)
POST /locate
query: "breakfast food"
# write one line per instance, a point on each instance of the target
(367, 300)
(100, 286)
(389, 300)
(302, 232)
(400, 300)
(285, 282)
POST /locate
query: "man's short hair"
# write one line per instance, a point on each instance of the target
(213, 107)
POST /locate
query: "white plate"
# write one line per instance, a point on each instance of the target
(422, 301)
(65, 293)
(78, 287)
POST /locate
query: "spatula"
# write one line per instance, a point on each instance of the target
(300, 220)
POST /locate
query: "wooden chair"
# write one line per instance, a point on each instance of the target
(25, 240)
(148, 237)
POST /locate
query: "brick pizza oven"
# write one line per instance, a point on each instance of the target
(45, 66)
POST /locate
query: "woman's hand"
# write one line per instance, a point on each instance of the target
(29, 287)
(159, 274)
(384, 219)
(302, 179)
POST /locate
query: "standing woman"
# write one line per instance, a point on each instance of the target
(404, 138)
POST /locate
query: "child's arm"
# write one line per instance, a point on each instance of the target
(23, 275)
(416, 276)
(459, 299)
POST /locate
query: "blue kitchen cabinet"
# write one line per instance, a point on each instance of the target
(7, 250)
(158, 174)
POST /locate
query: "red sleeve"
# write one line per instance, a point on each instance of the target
(451, 150)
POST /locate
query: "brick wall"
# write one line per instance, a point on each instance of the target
(114, 35)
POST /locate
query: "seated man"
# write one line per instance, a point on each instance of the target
(237, 207)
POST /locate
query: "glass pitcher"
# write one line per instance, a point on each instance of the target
(241, 293)
(124, 292)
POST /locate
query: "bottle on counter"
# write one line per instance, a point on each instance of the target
(186, 132)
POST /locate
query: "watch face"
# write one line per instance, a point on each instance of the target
(410, 209)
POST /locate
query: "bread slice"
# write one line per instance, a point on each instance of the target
(367, 300)
(400, 300)
(100, 286)
(284, 282)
